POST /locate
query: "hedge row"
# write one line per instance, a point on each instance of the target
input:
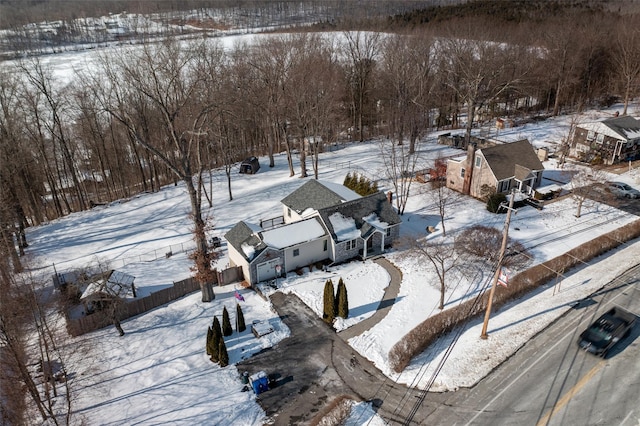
(418, 339)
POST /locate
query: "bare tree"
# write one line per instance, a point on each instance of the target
(483, 243)
(155, 93)
(267, 67)
(407, 76)
(443, 257)
(627, 57)
(586, 186)
(442, 196)
(478, 72)
(400, 167)
(312, 96)
(51, 112)
(361, 52)
(34, 353)
(20, 175)
(560, 65)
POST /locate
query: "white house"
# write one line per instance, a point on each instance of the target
(323, 222)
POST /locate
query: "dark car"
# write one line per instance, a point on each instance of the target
(613, 326)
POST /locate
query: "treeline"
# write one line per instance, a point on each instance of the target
(53, 26)
(518, 11)
(162, 113)
(15, 13)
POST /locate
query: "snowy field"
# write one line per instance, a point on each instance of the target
(159, 371)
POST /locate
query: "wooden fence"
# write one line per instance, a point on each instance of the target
(95, 321)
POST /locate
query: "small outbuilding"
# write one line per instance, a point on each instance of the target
(250, 166)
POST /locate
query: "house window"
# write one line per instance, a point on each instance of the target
(600, 138)
(591, 135)
(324, 245)
(478, 161)
(289, 212)
(351, 244)
(388, 233)
(503, 186)
(462, 173)
(296, 252)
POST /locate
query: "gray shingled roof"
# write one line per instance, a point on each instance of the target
(358, 209)
(241, 234)
(312, 195)
(502, 159)
(623, 125)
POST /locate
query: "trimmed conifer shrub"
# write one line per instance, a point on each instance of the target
(215, 340)
(227, 330)
(224, 356)
(329, 313)
(348, 181)
(209, 340)
(360, 184)
(240, 319)
(343, 300)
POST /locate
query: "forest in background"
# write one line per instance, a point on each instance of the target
(65, 149)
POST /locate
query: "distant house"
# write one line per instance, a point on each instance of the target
(498, 168)
(322, 222)
(609, 141)
(250, 166)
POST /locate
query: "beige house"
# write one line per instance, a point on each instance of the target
(498, 168)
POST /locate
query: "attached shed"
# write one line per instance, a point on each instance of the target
(250, 166)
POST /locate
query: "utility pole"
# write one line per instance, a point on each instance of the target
(503, 248)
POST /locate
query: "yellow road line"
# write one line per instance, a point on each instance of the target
(567, 397)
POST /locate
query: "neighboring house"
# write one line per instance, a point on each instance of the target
(609, 141)
(498, 168)
(322, 222)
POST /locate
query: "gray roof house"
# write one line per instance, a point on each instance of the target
(609, 141)
(499, 168)
(323, 222)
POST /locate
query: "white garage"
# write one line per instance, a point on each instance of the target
(267, 270)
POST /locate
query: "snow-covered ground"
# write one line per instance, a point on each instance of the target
(159, 371)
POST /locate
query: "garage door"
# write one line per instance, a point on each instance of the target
(267, 270)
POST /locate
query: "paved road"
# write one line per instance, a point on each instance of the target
(550, 381)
